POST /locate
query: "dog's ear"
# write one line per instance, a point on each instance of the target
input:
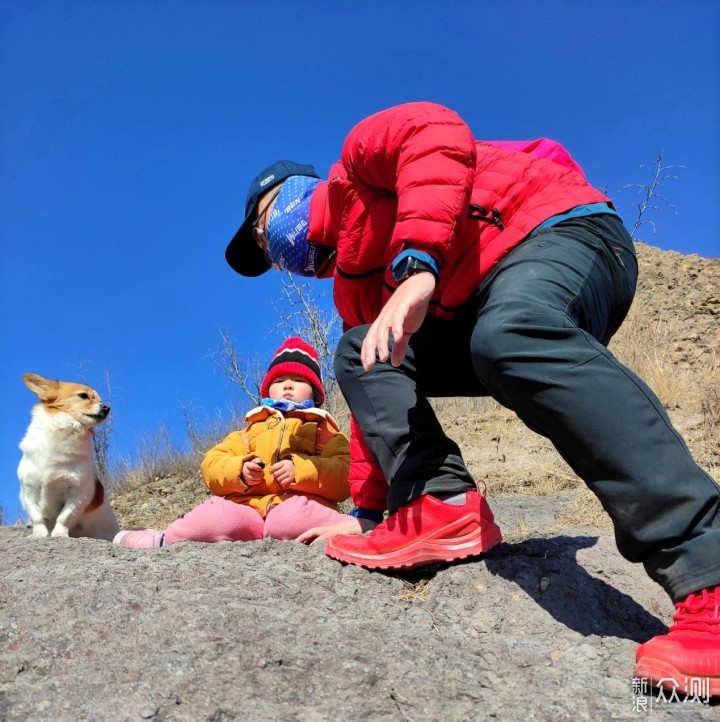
(46, 389)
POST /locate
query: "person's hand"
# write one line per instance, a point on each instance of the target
(283, 472)
(402, 315)
(349, 526)
(252, 472)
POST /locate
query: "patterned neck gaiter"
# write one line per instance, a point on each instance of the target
(287, 229)
(285, 405)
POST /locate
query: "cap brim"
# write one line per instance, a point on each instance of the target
(243, 254)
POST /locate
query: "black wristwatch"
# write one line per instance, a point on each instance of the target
(409, 266)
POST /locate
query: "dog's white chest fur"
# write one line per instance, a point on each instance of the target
(56, 462)
(57, 479)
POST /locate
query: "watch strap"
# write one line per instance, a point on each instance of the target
(411, 261)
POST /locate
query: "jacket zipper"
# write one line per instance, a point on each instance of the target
(278, 418)
(479, 213)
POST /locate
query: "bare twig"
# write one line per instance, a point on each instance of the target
(301, 314)
(247, 373)
(651, 193)
(102, 436)
(192, 426)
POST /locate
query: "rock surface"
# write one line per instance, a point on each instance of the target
(544, 628)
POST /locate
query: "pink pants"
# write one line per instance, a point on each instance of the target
(218, 519)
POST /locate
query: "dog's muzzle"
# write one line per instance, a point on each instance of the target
(102, 414)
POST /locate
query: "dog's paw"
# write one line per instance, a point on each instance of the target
(60, 532)
(39, 531)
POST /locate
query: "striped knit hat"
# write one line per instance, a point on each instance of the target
(297, 358)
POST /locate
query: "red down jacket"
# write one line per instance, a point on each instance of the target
(413, 177)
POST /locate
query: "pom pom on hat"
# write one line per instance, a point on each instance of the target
(297, 358)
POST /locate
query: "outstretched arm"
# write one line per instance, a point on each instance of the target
(401, 316)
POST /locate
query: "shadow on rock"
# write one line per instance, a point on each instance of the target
(548, 571)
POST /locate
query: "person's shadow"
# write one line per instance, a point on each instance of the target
(548, 571)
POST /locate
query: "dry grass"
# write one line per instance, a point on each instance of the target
(157, 458)
(500, 449)
(689, 390)
(583, 510)
(414, 591)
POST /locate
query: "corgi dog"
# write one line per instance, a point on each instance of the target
(58, 487)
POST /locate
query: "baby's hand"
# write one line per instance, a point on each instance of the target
(283, 472)
(252, 471)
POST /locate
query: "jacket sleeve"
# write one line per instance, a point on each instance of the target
(425, 154)
(367, 482)
(222, 466)
(325, 473)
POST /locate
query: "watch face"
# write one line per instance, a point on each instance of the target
(401, 271)
(412, 266)
(409, 266)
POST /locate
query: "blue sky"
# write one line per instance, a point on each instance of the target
(131, 128)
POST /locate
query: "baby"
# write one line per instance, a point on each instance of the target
(277, 477)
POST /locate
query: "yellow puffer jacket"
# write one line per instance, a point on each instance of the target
(311, 439)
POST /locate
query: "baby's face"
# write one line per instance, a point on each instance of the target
(291, 388)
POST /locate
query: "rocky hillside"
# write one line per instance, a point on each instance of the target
(543, 628)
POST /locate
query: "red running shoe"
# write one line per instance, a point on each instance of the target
(689, 654)
(425, 531)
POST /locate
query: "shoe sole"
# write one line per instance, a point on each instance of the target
(656, 670)
(425, 551)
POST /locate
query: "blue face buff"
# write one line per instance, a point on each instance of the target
(287, 229)
(285, 405)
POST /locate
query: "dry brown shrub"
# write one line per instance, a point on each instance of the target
(156, 457)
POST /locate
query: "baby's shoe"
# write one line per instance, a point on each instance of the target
(139, 538)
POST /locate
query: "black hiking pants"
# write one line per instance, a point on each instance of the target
(533, 338)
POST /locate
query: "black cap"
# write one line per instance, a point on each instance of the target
(243, 253)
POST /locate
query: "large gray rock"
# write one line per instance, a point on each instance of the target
(544, 628)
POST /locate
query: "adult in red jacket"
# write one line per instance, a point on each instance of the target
(464, 267)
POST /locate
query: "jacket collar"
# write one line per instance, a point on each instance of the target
(260, 413)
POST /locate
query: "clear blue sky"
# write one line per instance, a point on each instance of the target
(131, 128)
